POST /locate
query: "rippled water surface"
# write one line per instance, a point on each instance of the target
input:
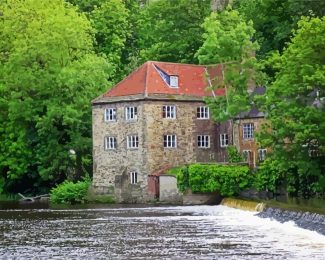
(194, 232)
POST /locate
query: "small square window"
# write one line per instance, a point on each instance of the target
(203, 141)
(248, 131)
(132, 141)
(131, 113)
(261, 154)
(174, 81)
(224, 141)
(110, 115)
(202, 113)
(133, 177)
(169, 112)
(110, 143)
(170, 141)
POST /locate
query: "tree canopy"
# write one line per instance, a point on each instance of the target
(294, 103)
(48, 75)
(171, 30)
(227, 40)
(275, 20)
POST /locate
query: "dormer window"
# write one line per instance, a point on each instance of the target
(174, 81)
(170, 80)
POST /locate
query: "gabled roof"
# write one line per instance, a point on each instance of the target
(151, 80)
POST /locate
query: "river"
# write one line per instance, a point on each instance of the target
(135, 232)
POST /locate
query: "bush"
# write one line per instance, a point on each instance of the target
(268, 176)
(227, 179)
(69, 192)
(233, 155)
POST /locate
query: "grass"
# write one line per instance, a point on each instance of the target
(9, 197)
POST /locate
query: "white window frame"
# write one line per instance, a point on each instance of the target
(248, 131)
(173, 80)
(110, 114)
(203, 112)
(169, 112)
(133, 177)
(131, 113)
(203, 141)
(224, 140)
(261, 154)
(132, 142)
(110, 143)
(170, 141)
(246, 157)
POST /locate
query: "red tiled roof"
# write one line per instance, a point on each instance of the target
(192, 80)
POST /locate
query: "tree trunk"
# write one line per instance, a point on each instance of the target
(78, 169)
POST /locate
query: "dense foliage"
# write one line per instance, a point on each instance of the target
(228, 40)
(233, 155)
(69, 192)
(171, 30)
(227, 179)
(295, 107)
(48, 75)
(274, 20)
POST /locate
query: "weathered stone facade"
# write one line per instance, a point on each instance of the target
(250, 144)
(164, 141)
(112, 167)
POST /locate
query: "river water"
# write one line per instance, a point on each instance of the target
(192, 232)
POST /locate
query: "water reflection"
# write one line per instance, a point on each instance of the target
(200, 232)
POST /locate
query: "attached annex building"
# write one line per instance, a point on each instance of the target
(154, 119)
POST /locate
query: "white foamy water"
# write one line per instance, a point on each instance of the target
(192, 232)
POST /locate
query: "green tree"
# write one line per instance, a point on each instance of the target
(48, 76)
(114, 22)
(294, 103)
(274, 20)
(87, 5)
(170, 30)
(110, 20)
(228, 40)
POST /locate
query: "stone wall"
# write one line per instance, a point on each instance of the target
(186, 127)
(248, 144)
(212, 198)
(112, 167)
(223, 128)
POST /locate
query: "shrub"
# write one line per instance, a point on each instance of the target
(268, 176)
(233, 155)
(227, 179)
(69, 192)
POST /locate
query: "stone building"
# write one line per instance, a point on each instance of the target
(154, 119)
(245, 127)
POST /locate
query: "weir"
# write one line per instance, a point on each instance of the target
(304, 219)
(243, 204)
(307, 220)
